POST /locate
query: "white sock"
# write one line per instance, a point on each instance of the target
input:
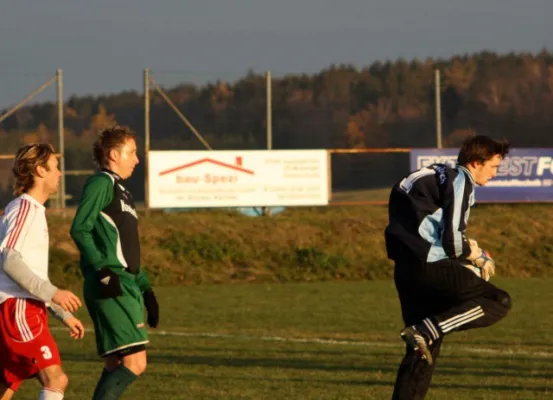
(50, 394)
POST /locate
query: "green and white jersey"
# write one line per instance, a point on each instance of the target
(105, 227)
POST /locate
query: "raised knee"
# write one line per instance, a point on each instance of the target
(505, 300)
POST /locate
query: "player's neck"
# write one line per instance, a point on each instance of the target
(111, 167)
(470, 169)
(38, 194)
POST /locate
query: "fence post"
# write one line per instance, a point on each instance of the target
(267, 210)
(146, 140)
(438, 111)
(61, 191)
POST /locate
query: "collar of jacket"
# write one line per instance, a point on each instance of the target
(109, 171)
(467, 172)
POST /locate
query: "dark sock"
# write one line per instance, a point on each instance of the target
(430, 329)
(103, 377)
(112, 384)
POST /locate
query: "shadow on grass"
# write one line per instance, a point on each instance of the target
(306, 364)
(359, 382)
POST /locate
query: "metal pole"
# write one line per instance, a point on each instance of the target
(438, 111)
(181, 116)
(329, 173)
(26, 99)
(266, 211)
(146, 139)
(269, 113)
(61, 190)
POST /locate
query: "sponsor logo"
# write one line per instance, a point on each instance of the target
(426, 161)
(511, 166)
(441, 174)
(127, 208)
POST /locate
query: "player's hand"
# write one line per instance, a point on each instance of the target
(150, 302)
(475, 250)
(108, 282)
(486, 263)
(76, 328)
(482, 259)
(66, 300)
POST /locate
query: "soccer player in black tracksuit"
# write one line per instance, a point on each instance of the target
(436, 266)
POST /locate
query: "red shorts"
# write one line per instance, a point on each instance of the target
(26, 345)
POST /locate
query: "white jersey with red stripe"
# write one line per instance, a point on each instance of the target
(23, 227)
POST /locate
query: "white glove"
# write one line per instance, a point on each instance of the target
(481, 259)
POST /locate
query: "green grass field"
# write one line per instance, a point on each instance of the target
(334, 340)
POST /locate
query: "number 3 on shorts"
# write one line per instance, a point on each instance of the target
(46, 353)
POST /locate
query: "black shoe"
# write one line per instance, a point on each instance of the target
(417, 342)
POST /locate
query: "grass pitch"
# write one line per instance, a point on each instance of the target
(335, 340)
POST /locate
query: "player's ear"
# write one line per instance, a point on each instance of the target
(475, 164)
(40, 171)
(114, 154)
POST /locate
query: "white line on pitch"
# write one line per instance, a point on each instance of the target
(335, 342)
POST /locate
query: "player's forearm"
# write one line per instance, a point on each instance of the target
(97, 194)
(58, 313)
(142, 281)
(455, 245)
(17, 269)
(87, 247)
(453, 239)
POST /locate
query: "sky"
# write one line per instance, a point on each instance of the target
(103, 46)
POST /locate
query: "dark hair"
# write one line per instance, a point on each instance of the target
(27, 159)
(481, 148)
(108, 140)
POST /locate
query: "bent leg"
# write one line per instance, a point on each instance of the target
(5, 392)
(54, 382)
(415, 374)
(119, 374)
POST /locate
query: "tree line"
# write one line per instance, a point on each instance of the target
(386, 104)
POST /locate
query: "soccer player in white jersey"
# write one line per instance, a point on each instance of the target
(27, 348)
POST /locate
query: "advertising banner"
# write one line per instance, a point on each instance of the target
(525, 175)
(238, 178)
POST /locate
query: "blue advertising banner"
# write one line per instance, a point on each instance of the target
(525, 175)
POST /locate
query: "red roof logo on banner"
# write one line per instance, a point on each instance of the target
(236, 167)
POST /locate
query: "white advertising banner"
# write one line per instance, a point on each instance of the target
(238, 178)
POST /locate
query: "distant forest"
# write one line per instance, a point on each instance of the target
(386, 104)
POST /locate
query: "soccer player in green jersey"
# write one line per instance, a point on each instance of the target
(116, 289)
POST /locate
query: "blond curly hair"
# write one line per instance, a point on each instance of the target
(27, 160)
